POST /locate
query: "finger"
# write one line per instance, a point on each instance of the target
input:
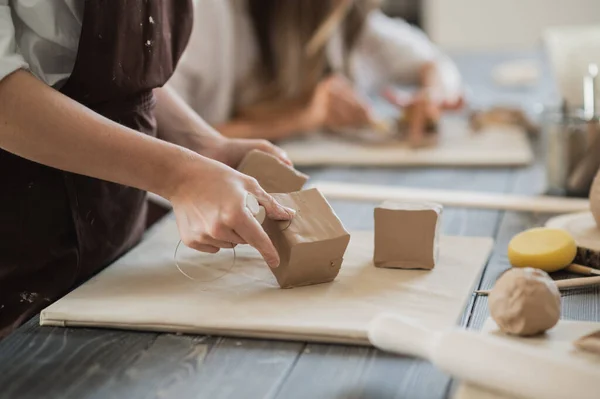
(275, 151)
(202, 247)
(251, 231)
(228, 236)
(213, 242)
(400, 100)
(417, 123)
(273, 209)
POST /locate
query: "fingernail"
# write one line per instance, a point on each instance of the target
(291, 212)
(273, 264)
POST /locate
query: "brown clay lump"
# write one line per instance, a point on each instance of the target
(524, 302)
(312, 246)
(273, 175)
(406, 234)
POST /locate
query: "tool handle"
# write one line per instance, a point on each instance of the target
(562, 284)
(584, 270)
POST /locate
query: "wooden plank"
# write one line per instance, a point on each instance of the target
(185, 366)
(40, 362)
(467, 199)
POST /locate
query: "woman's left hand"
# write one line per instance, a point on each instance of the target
(232, 151)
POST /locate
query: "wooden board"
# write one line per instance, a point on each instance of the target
(145, 291)
(556, 343)
(466, 199)
(582, 227)
(458, 146)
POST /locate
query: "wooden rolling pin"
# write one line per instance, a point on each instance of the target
(492, 361)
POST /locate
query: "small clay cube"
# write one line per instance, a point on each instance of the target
(273, 175)
(406, 235)
(312, 245)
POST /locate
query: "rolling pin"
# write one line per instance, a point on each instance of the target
(491, 361)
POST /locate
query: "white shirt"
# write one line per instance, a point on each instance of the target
(40, 35)
(212, 74)
(43, 36)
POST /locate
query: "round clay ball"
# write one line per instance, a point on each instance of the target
(524, 302)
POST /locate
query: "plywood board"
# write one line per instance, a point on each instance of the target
(466, 199)
(144, 291)
(556, 343)
(582, 227)
(458, 146)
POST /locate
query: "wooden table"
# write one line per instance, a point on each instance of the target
(40, 362)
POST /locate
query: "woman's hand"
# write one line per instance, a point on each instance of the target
(232, 151)
(209, 201)
(336, 105)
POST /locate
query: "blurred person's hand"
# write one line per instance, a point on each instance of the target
(336, 105)
(423, 108)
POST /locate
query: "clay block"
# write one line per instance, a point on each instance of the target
(273, 175)
(406, 235)
(312, 246)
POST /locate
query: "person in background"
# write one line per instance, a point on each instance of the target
(275, 68)
(86, 130)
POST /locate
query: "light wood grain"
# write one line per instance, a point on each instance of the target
(497, 146)
(466, 199)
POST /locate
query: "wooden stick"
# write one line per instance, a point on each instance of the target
(326, 30)
(562, 284)
(466, 199)
(583, 270)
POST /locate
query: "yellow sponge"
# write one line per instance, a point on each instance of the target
(546, 249)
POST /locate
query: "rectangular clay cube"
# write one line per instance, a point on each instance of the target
(406, 235)
(273, 175)
(312, 245)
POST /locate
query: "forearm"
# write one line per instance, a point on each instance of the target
(42, 125)
(273, 126)
(179, 124)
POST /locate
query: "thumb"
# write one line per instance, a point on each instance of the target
(273, 209)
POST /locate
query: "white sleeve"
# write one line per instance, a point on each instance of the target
(10, 59)
(391, 50)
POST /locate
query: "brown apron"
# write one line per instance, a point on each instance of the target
(57, 229)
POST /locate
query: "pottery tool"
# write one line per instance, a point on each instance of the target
(324, 33)
(562, 285)
(542, 248)
(557, 343)
(549, 250)
(493, 361)
(465, 199)
(589, 343)
(213, 270)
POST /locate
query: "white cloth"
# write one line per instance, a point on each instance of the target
(223, 48)
(40, 35)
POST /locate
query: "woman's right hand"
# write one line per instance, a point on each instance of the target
(336, 105)
(209, 201)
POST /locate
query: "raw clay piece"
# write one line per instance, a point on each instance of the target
(273, 175)
(406, 235)
(312, 245)
(525, 302)
(589, 343)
